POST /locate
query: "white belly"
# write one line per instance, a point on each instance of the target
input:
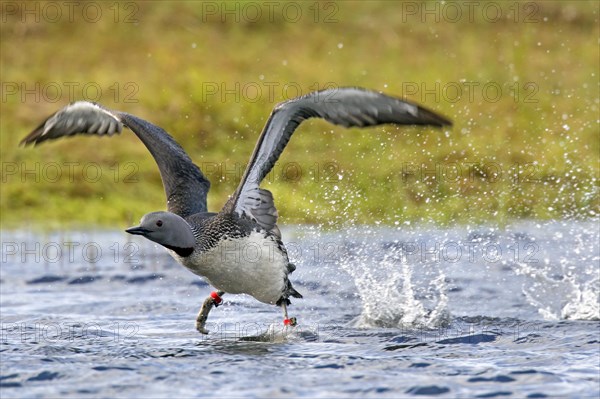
(252, 265)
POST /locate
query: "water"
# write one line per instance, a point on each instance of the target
(466, 312)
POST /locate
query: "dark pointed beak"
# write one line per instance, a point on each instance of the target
(138, 230)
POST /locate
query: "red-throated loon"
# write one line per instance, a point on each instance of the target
(212, 245)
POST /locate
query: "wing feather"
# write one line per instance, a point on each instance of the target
(348, 107)
(185, 186)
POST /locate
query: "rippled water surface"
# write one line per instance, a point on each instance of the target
(467, 312)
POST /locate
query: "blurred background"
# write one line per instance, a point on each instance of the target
(519, 80)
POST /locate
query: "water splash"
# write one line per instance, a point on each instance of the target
(563, 288)
(390, 294)
(584, 302)
(561, 296)
(276, 333)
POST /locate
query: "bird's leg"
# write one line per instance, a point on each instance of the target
(214, 299)
(287, 321)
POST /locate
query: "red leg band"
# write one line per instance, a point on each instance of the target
(289, 322)
(216, 298)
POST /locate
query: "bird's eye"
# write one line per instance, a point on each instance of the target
(159, 223)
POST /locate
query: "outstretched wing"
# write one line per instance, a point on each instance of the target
(185, 185)
(348, 107)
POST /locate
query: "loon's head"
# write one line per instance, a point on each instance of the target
(167, 229)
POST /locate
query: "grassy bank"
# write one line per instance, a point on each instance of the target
(522, 90)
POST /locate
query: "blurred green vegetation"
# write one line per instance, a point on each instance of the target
(521, 87)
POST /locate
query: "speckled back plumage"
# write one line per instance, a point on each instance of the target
(210, 229)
